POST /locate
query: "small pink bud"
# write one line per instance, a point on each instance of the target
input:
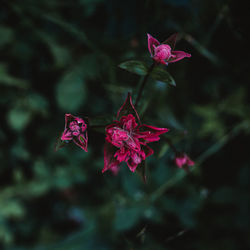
(182, 160)
(76, 130)
(164, 53)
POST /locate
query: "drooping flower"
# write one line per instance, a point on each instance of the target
(182, 160)
(127, 139)
(164, 53)
(75, 130)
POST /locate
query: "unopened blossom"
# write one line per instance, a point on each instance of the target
(164, 53)
(182, 160)
(75, 130)
(127, 139)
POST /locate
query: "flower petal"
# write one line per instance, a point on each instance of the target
(178, 55)
(189, 162)
(150, 133)
(151, 43)
(128, 122)
(180, 161)
(68, 119)
(148, 151)
(66, 136)
(132, 165)
(81, 141)
(171, 41)
(109, 160)
(136, 158)
(128, 108)
(114, 169)
(122, 154)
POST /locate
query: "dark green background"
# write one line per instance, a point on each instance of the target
(60, 57)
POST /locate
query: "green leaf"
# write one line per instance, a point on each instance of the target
(162, 75)
(18, 118)
(127, 217)
(137, 67)
(71, 91)
(60, 54)
(9, 80)
(6, 35)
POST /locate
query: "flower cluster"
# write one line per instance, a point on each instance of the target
(126, 138)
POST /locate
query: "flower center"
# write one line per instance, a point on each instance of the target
(123, 138)
(162, 52)
(119, 136)
(75, 128)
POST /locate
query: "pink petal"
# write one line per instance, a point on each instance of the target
(81, 141)
(114, 169)
(183, 160)
(68, 119)
(151, 43)
(132, 166)
(122, 154)
(178, 55)
(109, 160)
(164, 63)
(148, 151)
(133, 143)
(135, 159)
(150, 133)
(66, 136)
(79, 120)
(180, 161)
(189, 162)
(171, 41)
(128, 108)
(128, 122)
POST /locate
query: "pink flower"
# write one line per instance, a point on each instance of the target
(76, 130)
(127, 139)
(164, 53)
(182, 160)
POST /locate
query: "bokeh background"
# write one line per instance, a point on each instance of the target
(60, 57)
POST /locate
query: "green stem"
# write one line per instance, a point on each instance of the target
(210, 151)
(165, 186)
(144, 83)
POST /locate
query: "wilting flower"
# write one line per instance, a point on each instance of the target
(182, 160)
(76, 130)
(164, 52)
(127, 139)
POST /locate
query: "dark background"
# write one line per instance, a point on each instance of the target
(60, 57)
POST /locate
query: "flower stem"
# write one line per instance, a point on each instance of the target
(144, 83)
(210, 151)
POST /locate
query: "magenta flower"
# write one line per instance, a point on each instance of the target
(127, 139)
(182, 160)
(164, 53)
(76, 130)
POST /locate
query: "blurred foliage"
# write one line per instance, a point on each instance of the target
(62, 57)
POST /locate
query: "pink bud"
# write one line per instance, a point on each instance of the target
(164, 53)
